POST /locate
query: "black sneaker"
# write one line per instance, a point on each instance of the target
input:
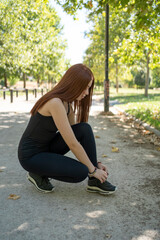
(41, 183)
(94, 185)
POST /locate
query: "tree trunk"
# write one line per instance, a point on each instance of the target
(5, 80)
(49, 83)
(24, 80)
(117, 84)
(147, 77)
(106, 81)
(38, 82)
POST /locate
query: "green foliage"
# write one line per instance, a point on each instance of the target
(143, 12)
(148, 112)
(13, 79)
(31, 40)
(133, 95)
(135, 103)
(140, 78)
(129, 48)
(95, 57)
(156, 77)
(134, 35)
(96, 50)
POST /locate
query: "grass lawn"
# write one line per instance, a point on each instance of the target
(135, 103)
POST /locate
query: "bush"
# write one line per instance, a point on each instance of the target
(156, 77)
(12, 80)
(140, 78)
(2, 83)
(129, 83)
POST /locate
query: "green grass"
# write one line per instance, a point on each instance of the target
(146, 111)
(135, 103)
(131, 95)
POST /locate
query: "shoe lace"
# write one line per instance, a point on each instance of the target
(44, 181)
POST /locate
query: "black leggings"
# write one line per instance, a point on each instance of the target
(54, 164)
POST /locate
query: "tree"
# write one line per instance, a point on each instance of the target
(96, 50)
(127, 45)
(142, 12)
(94, 56)
(31, 40)
(142, 49)
(156, 77)
(140, 79)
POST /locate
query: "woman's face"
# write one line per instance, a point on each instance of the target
(85, 92)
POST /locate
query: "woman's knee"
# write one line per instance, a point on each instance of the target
(83, 128)
(83, 173)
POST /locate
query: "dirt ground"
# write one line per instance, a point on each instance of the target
(69, 213)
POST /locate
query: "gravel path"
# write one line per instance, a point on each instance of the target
(71, 213)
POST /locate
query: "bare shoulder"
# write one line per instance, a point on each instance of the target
(54, 105)
(54, 102)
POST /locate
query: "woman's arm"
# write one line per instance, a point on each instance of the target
(56, 108)
(58, 112)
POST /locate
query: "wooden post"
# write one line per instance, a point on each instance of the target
(11, 95)
(26, 94)
(106, 81)
(4, 94)
(35, 92)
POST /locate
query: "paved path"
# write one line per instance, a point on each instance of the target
(71, 213)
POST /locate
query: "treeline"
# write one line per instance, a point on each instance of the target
(31, 42)
(134, 53)
(134, 39)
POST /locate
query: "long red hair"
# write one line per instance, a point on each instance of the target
(69, 88)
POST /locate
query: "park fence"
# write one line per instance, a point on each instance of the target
(15, 92)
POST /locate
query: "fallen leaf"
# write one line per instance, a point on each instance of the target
(108, 236)
(146, 132)
(97, 136)
(129, 121)
(113, 142)
(158, 149)
(1, 170)
(115, 149)
(13, 196)
(156, 143)
(140, 141)
(104, 155)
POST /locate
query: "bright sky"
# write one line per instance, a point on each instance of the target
(74, 33)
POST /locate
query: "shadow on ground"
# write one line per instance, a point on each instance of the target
(71, 212)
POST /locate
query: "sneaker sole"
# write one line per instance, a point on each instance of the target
(98, 190)
(36, 186)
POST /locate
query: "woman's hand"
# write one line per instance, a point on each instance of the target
(101, 175)
(103, 167)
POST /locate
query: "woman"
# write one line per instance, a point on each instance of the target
(52, 131)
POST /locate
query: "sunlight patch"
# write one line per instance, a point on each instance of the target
(95, 214)
(147, 235)
(77, 227)
(22, 227)
(4, 126)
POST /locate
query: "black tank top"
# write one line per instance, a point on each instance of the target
(40, 131)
